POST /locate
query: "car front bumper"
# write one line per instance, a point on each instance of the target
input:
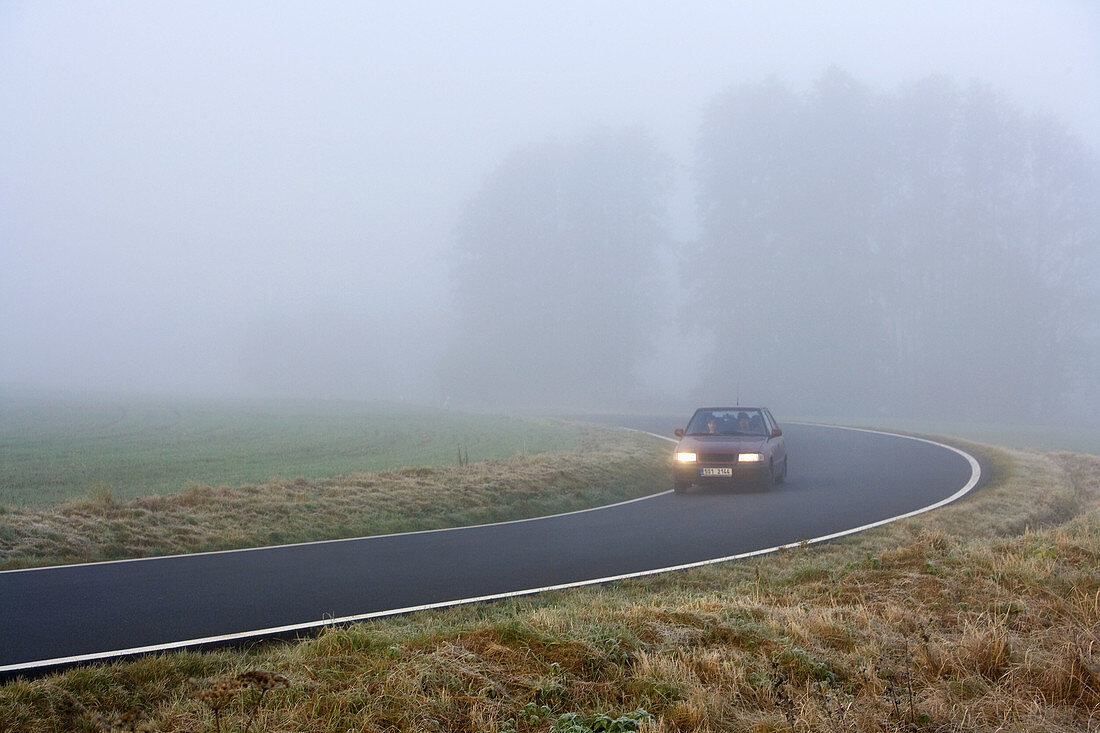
(687, 474)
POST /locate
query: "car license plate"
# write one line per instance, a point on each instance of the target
(723, 471)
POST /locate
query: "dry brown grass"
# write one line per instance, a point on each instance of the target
(982, 616)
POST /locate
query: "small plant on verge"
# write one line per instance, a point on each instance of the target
(222, 693)
(601, 723)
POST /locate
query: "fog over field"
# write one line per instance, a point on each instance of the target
(851, 208)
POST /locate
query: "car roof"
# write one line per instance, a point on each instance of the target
(730, 409)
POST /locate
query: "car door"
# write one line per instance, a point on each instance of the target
(777, 444)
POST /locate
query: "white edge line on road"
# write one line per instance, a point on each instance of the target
(975, 476)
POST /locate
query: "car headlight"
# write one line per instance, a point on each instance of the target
(685, 458)
(750, 457)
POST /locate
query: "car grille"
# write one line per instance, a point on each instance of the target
(718, 458)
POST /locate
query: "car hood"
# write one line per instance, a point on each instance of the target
(721, 443)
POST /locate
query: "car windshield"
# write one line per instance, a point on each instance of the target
(727, 422)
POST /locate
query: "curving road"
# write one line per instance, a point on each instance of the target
(840, 479)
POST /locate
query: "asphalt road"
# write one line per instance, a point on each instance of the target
(839, 479)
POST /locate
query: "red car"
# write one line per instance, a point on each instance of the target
(729, 445)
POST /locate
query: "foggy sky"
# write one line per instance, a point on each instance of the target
(242, 197)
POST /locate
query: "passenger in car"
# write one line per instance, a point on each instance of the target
(743, 422)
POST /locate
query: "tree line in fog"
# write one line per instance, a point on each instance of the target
(930, 251)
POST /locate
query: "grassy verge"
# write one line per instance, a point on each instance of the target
(981, 616)
(610, 466)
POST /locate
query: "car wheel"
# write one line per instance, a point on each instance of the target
(767, 479)
(679, 488)
(782, 478)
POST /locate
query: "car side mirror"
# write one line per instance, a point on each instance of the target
(679, 432)
(776, 433)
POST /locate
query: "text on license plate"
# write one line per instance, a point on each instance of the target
(722, 471)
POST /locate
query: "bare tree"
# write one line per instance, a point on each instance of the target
(925, 251)
(555, 259)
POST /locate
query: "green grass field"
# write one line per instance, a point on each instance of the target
(55, 450)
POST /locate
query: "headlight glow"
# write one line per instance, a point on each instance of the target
(685, 457)
(750, 457)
